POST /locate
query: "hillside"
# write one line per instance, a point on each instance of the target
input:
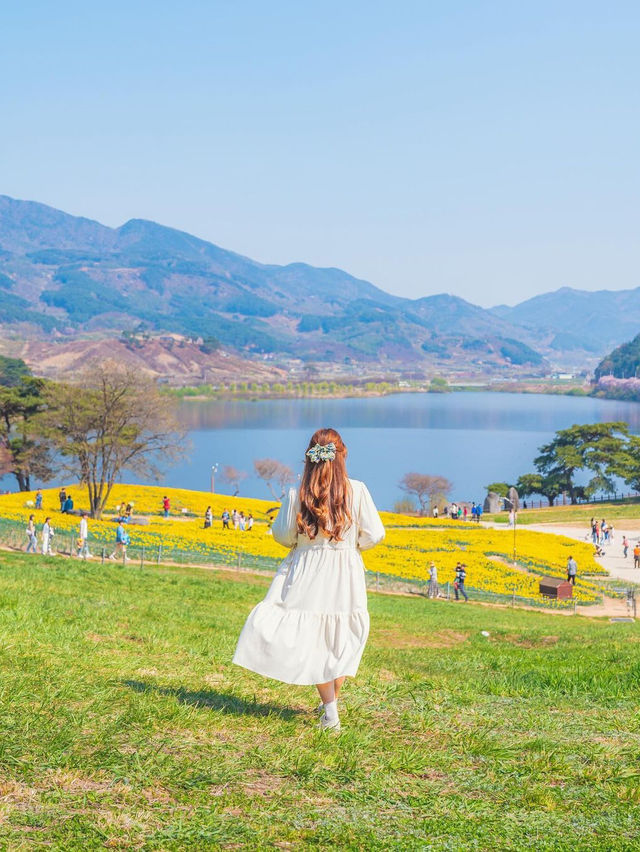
(64, 276)
(127, 726)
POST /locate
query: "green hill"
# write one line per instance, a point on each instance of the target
(622, 363)
(126, 726)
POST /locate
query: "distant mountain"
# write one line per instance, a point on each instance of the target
(577, 319)
(64, 275)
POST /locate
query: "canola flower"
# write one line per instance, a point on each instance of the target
(410, 544)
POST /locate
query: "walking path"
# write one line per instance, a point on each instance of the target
(613, 560)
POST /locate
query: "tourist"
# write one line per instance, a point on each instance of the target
(250, 522)
(478, 513)
(83, 537)
(47, 535)
(38, 499)
(512, 518)
(32, 535)
(122, 540)
(62, 496)
(128, 511)
(242, 523)
(459, 580)
(465, 513)
(235, 518)
(67, 507)
(597, 532)
(572, 570)
(594, 531)
(313, 624)
(166, 506)
(225, 519)
(625, 546)
(459, 512)
(636, 556)
(432, 590)
(208, 518)
(435, 511)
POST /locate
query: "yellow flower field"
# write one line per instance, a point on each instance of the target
(410, 545)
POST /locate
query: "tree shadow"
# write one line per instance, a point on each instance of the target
(216, 701)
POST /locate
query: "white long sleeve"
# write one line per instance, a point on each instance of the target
(284, 529)
(370, 528)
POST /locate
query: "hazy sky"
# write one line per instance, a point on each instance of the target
(487, 149)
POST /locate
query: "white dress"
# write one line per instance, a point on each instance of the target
(313, 624)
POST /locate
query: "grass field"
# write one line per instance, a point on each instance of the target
(124, 724)
(627, 509)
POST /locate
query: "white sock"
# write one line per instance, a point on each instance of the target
(331, 710)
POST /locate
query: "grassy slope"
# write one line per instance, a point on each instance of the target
(123, 723)
(572, 514)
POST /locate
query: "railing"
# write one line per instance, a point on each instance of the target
(13, 535)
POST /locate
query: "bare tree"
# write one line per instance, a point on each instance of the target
(277, 475)
(112, 420)
(429, 490)
(234, 477)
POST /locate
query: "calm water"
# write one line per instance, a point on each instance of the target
(471, 438)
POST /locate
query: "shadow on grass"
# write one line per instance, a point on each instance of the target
(216, 701)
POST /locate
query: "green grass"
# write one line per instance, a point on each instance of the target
(125, 725)
(629, 509)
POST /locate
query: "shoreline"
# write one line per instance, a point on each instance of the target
(196, 394)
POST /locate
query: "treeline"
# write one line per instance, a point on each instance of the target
(108, 420)
(288, 389)
(601, 453)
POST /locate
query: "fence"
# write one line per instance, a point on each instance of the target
(13, 535)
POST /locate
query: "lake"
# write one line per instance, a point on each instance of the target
(471, 438)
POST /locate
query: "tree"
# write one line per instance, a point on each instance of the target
(534, 483)
(276, 475)
(111, 421)
(500, 488)
(12, 371)
(234, 477)
(627, 465)
(429, 489)
(25, 454)
(598, 447)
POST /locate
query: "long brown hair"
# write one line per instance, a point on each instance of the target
(325, 491)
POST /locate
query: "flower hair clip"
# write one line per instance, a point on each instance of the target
(322, 452)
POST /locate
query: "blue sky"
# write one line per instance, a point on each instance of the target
(487, 149)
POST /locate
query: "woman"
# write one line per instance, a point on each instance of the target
(47, 535)
(313, 624)
(208, 518)
(32, 535)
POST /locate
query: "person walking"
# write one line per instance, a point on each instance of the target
(432, 589)
(313, 624)
(458, 583)
(166, 506)
(32, 535)
(242, 522)
(47, 535)
(83, 538)
(625, 546)
(208, 518)
(122, 540)
(636, 555)
(478, 513)
(38, 499)
(225, 519)
(250, 522)
(572, 570)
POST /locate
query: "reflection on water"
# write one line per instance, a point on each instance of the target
(471, 438)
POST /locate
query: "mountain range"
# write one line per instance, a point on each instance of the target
(63, 276)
